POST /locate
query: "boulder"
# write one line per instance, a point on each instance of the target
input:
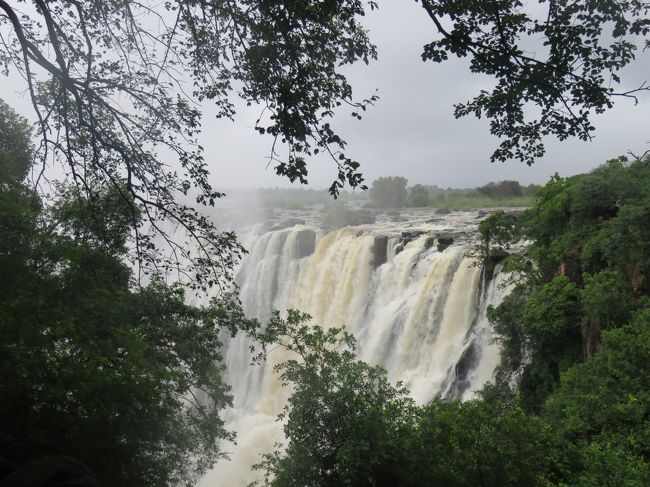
(444, 242)
(442, 211)
(305, 243)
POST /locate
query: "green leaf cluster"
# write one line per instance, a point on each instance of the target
(345, 424)
(344, 421)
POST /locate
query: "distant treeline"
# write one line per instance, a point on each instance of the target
(394, 192)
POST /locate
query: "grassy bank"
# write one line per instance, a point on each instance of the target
(469, 200)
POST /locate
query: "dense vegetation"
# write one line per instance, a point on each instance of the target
(123, 377)
(393, 193)
(570, 405)
(469, 199)
(120, 377)
(388, 192)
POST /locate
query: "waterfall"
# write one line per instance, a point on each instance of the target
(416, 310)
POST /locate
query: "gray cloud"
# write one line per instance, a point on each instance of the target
(411, 131)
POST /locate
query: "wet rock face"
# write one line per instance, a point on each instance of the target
(305, 243)
(462, 371)
(443, 211)
(466, 362)
(444, 242)
(380, 250)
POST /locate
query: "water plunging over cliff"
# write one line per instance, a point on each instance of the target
(416, 308)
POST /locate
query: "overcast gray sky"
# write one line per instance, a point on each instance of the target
(411, 131)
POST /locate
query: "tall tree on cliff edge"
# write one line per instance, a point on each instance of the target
(115, 84)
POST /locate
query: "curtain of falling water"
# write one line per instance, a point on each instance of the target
(421, 315)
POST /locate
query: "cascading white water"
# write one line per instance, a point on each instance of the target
(421, 314)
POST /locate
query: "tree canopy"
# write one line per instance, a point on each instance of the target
(116, 88)
(418, 196)
(126, 380)
(555, 64)
(15, 146)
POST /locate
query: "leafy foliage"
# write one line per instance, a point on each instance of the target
(338, 214)
(577, 279)
(602, 407)
(469, 199)
(344, 421)
(115, 87)
(478, 442)
(568, 80)
(496, 232)
(585, 273)
(15, 146)
(418, 196)
(502, 189)
(125, 380)
(346, 425)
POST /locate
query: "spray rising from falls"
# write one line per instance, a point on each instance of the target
(416, 308)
